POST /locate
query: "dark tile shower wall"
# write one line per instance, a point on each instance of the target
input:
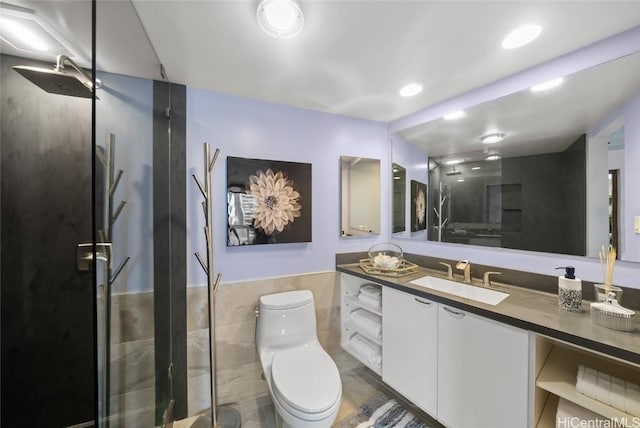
(169, 237)
(553, 200)
(47, 305)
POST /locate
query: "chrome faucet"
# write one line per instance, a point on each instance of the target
(486, 278)
(449, 270)
(465, 266)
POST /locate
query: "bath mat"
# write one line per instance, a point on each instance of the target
(382, 412)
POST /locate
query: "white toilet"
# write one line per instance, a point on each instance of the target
(303, 379)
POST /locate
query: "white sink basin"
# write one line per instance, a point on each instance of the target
(484, 295)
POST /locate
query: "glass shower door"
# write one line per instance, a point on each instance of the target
(133, 365)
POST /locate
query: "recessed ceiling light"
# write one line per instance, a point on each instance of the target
(410, 89)
(460, 180)
(455, 115)
(22, 31)
(453, 161)
(521, 36)
(282, 19)
(21, 36)
(396, 177)
(492, 138)
(492, 157)
(550, 84)
(475, 168)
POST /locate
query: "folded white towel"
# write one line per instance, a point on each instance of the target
(618, 392)
(368, 322)
(603, 388)
(366, 349)
(587, 381)
(580, 382)
(608, 389)
(568, 410)
(375, 302)
(371, 290)
(632, 398)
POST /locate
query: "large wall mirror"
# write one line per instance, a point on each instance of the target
(553, 180)
(360, 196)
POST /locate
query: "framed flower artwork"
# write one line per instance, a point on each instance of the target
(418, 206)
(268, 202)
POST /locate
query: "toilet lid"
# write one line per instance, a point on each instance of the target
(306, 378)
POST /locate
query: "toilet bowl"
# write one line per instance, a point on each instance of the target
(303, 380)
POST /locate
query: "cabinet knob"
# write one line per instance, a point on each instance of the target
(424, 302)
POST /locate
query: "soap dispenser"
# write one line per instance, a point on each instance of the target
(569, 290)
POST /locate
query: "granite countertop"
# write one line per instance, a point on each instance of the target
(528, 309)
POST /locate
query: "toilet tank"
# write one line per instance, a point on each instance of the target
(286, 319)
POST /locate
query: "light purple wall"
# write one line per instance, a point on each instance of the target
(626, 273)
(255, 129)
(125, 108)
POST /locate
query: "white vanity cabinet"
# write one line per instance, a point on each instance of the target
(409, 352)
(483, 372)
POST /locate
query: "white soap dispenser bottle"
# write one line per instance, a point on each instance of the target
(569, 290)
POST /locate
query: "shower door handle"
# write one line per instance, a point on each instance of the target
(84, 255)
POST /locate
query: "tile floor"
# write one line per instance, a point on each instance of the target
(359, 385)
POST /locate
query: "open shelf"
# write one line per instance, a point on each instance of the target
(558, 376)
(548, 418)
(350, 288)
(357, 303)
(354, 354)
(352, 329)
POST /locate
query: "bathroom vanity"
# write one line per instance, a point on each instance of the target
(473, 364)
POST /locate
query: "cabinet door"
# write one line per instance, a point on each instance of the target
(482, 372)
(409, 341)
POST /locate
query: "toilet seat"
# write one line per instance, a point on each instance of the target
(306, 381)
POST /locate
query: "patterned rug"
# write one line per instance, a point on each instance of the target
(382, 412)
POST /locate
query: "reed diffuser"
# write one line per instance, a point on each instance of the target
(607, 311)
(607, 264)
(607, 271)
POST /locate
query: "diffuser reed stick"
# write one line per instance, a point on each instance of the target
(609, 313)
(607, 263)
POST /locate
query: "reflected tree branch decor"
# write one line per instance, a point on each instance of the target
(441, 222)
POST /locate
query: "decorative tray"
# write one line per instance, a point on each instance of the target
(404, 268)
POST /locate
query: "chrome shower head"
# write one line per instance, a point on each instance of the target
(58, 80)
(55, 82)
(453, 172)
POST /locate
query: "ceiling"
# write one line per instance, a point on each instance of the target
(122, 44)
(351, 57)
